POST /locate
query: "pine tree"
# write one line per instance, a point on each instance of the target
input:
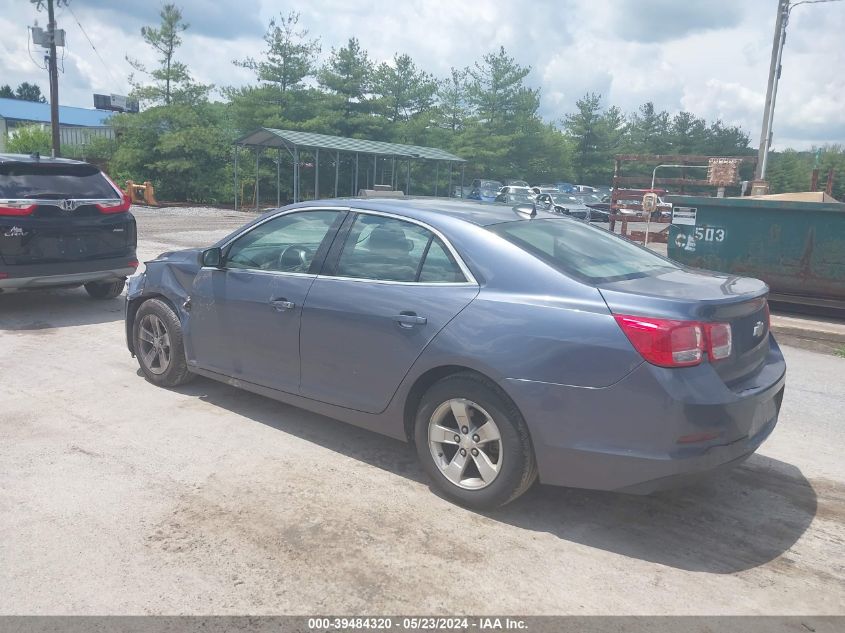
(171, 81)
(290, 56)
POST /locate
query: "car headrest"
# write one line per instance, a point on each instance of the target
(389, 238)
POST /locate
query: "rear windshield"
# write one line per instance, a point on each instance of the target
(587, 253)
(34, 180)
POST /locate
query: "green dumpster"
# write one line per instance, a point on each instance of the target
(798, 248)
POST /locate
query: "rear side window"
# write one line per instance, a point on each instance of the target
(387, 249)
(44, 180)
(581, 251)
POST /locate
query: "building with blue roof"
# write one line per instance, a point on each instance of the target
(76, 125)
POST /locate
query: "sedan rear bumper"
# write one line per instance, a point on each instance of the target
(654, 429)
(66, 273)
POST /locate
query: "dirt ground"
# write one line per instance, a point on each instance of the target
(117, 497)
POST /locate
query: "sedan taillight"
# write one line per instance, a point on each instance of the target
(674, 343)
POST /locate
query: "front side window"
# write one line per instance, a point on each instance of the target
(584, 252)
(286, 243)
(387, 249)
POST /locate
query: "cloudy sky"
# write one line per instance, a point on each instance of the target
(707, 56)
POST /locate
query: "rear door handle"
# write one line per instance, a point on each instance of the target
(280, 305)
(409, 319)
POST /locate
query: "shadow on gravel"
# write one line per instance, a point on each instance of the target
(731, 522)
(39, 311)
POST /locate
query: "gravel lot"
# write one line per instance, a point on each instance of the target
(117, 497)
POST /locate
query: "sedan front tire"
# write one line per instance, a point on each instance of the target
(157, 340)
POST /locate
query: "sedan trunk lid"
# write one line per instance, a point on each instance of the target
(694, 295)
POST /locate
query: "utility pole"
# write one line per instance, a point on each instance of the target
(54, 80)
(50, 39)
(771, 90)
(785, 7)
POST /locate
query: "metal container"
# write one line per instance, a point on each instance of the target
(798, 248)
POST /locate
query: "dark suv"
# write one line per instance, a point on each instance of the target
(63, 223)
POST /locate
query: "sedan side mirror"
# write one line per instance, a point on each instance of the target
(212, 257)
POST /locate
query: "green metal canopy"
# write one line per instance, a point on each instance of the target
(270, 137)
(345, 150)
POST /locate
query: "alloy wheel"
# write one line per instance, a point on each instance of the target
(154, 342)
(465, 443)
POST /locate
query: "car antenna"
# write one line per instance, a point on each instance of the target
(526, 210)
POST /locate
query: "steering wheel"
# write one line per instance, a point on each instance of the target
(295, 258)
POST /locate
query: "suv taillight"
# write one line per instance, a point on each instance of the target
(16, 209)
(673, 343)
(124, 198)
(117, 208)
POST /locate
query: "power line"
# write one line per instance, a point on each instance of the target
(795, 4)
(29, 50)
(100, 57)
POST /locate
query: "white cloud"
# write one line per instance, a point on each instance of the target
(707, 56)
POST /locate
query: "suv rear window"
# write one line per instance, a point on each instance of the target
(587, 253)
(45, 180)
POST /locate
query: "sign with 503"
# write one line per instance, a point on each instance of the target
(709, 234)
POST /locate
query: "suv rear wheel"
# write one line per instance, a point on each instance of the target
(473, 442)
(105, 289)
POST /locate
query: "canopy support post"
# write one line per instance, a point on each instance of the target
(408, 190)
(436, 176)
(257, 156)
(237, 180)
(449, 192)
(296, 174)
(355, 192)
(463, 168)
(336, 171)
(279, 177)
(317, 173)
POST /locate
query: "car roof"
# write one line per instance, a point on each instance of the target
(35, 158)
(432, 210)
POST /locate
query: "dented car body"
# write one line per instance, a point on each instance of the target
(549, 311)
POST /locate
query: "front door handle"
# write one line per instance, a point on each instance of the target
(280, 305)
(409, 319)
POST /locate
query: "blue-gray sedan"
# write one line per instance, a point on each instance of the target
(506, 344)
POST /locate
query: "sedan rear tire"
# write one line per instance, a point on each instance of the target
(473, 442)
(157, 341)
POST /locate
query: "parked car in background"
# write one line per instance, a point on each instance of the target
(565, 187)
(63, 223)
(564, 204)
(412, 318)
(584, 189)
(516, 183)
(538, 189)
(484, 190)
(515, 195)
(599, 211)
